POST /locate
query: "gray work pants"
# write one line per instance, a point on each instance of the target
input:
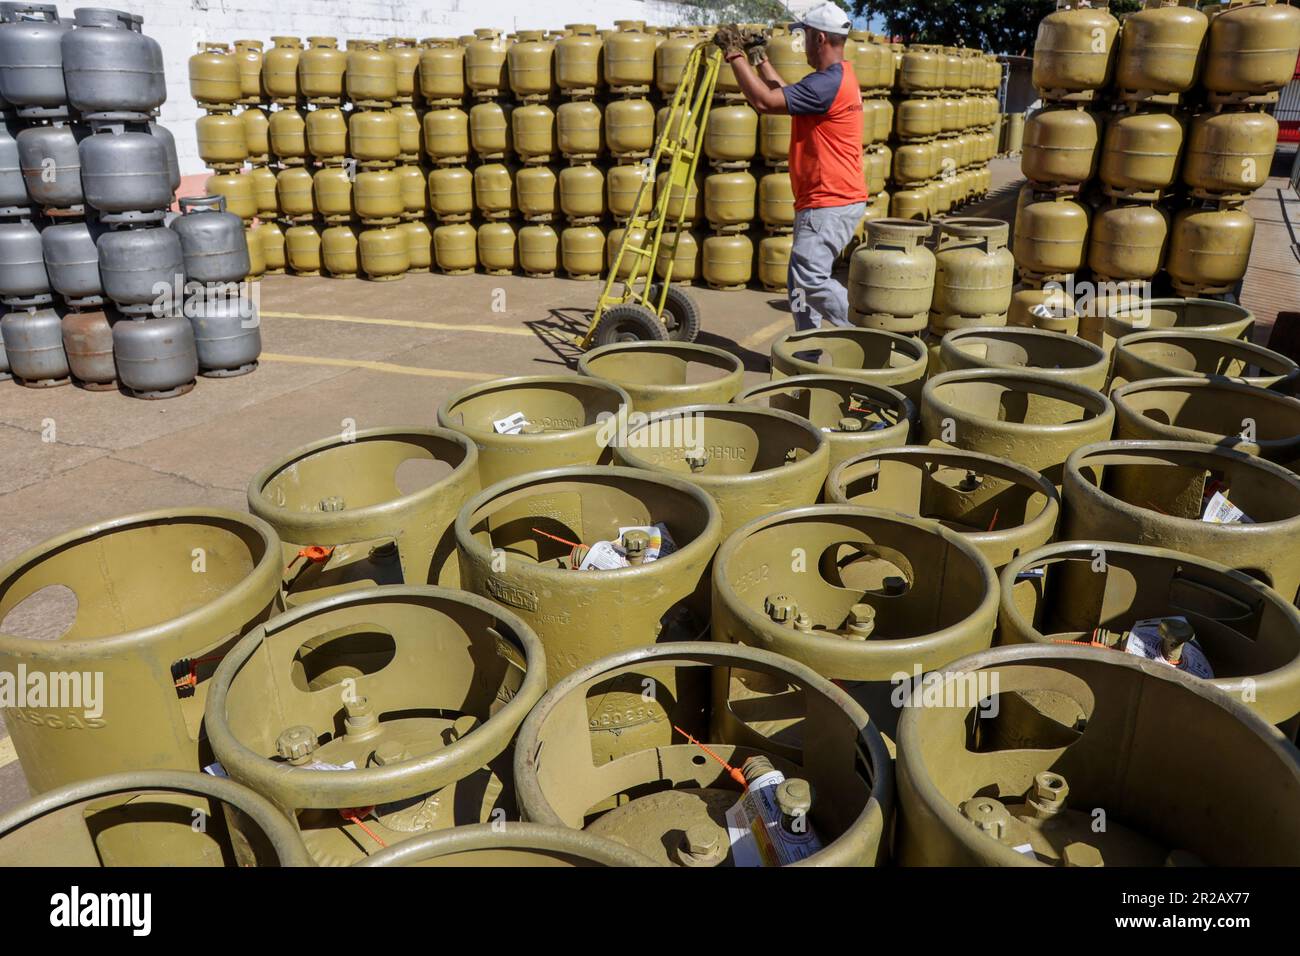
(820, 235)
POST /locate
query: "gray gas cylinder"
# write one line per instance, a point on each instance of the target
(155, 358)
(112, 70)
(88, 344)
(33, 340)
(213, 240)
(226, 333)
(125, 175)
(23, 280)
(31, 59)
(14, 200)
(72, 263)
(51, 164)
(142, 269)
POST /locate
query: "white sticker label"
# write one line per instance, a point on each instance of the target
(603, 556)
(511, 425)
(755, 831)
(216, 770)
(1144, 641)
(322, 765)
(1219, 510)
(1026, 850)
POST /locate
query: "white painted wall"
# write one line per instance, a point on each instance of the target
(180, 25)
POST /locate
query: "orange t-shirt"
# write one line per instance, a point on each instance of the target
(826, 138)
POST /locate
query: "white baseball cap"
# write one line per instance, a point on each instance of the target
(826, 17)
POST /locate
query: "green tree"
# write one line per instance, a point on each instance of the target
(1001, 26)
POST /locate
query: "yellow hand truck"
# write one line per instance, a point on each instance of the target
(646, 308)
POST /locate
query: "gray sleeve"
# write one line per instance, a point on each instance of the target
(814, 94)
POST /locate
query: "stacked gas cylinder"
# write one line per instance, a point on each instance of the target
(99, 173)
(1153, 135)
(945, 116)
(532, 149)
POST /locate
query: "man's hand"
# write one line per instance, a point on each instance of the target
(756, 48)
(729, 39)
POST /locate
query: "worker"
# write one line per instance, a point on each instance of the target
(830, 192)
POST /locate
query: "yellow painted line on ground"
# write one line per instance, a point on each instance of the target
(400, 323)
(766, 332)
(376, 366)
(7, 753)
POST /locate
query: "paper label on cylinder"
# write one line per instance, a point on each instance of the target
(510, 425)
(1144, 641)
(755, 831)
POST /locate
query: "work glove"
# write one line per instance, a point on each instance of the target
(729, 40)
(756, 48)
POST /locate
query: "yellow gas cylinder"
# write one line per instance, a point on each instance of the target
(373, 137)
(270, 238)
(221, 139)
(446, 135)
(1250, 52)
(1140, 155)
(249, 55)
(731, 138)
(877, 121)
(489, 130)
(728, 261)
(408, 132)
(383, 254)
(580, 130)
(293, 193)
(629, 128)
(623, 186)
(685, 256)
(238, 190)
(786, 51)
(1159, 51)
(455, 248)
(582, 252)
(1128, 241)
(729, 200)
(630, 57)
(406, 53)
(451, 193)
(442, 73)
(288, 136)
(537, 193)
(684, 129)
(302, 249)
(533, 128)
(613, 240)
(496, 248)
(214, 77)
(776, 202)
(256, 255)
(915, 163)
(1074, 53)
(691, 197)
(320, 71)
(910, 204)
(1229, 154)
(943, 195)
(922, 69)
(371, 76)
(263, 179)
(332, 193)
(774, 139)
(670, 60)
(257, 134)
(1049, 308)
(876, 163)
(1051, 237)
(1209, 249)
(494, 192)
(578, 63)
(774, 262)
(582, 192)
(280, 70)
(974, 273)
(1061, 146)
(918, 119)
(485, 63)
(538, 250)
(327, 136)
(377, 197)
(339, 251)
(419, 246)
(529, 65)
